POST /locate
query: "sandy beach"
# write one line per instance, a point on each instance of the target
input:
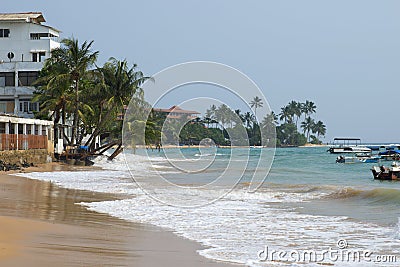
(42, 226)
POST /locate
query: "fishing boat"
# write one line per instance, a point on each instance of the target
(358, 159)
(390, 154)
(386, 173)
(348, 145)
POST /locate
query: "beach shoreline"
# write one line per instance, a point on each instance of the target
(45, 227)
(315, 145)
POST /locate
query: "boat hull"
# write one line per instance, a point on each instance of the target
(381, 173)
(372, 159)
(344, 150)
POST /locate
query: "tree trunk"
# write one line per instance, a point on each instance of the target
(116, 152)
(91, 141)
(76, 115)
(63, 121)
(55, 127)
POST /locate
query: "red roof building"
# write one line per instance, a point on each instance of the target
(175, 112)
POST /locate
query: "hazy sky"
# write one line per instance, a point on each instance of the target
(343, 55)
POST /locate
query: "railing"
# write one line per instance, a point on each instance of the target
(55, 39)
(22, 141)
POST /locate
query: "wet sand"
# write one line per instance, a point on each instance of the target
(41, 225)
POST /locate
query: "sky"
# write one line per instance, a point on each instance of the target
(342, 55)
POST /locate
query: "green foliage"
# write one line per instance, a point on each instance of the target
(194, 132)
(288, 135)
(71, 90)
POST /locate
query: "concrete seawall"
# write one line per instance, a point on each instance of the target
(34, 156)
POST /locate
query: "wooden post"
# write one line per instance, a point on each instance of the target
(17, 136)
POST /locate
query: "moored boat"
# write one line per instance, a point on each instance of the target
(358, 159)
(348, 145)
(390, 155)
(386, 173)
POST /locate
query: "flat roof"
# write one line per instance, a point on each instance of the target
(15, 119)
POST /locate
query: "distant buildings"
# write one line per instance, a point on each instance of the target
(24, 45)
(176, 112)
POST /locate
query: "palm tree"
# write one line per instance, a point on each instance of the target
(119, 84)
(222, 114)
(210, 113)
(286, 115)
(307, 125)
(256, 103)
(268, 126)
(308, 108)
(75, 62)
(295, 109)
(239, 116)
(248, 119)
(319, 129)
(53, 94)
(274, 117)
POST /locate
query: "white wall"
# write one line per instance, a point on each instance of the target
(20, 43)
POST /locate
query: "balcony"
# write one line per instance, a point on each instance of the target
(19, 65)
(7, 90)
(54, 39)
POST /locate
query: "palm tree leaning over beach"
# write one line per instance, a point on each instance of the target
(78, 60)
(69, 65)
(73, 61)
(256, 103)
(120, 82)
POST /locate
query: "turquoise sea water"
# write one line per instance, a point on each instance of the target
(348, 189)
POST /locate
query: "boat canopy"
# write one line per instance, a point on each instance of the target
(390, 152)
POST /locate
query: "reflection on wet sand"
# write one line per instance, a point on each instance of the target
(65, 234)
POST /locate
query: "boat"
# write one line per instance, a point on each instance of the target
(358, 159)
(348, 145)
(390, 155)
(386, 173)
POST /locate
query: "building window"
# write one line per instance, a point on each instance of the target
(4, 33)
(26, 78)
(26, 106)
(7, 79)
(38, 57)
(3, 107)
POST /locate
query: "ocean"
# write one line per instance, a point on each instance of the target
(309, 210)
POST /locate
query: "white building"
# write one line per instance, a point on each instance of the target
(24, 45)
